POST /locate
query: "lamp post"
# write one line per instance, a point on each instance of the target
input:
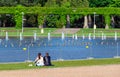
(91, 51)
(94, 23)
(23, 21)
(0, 27)
(117, 51)
(28, 53)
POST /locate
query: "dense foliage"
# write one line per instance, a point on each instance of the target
(61, 3)
(57, 13)
(104, 3)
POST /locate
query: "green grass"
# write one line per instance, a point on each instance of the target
(26, 31)
(98, 32)
(30, 32)
(74, 63)
(87, 62)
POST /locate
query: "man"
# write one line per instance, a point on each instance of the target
(47, 60)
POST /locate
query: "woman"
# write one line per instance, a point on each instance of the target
(39, 60)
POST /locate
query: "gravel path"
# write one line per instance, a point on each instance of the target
(85, 71)
(67, 30)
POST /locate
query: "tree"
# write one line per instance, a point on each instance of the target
(115, 3)
(8, 3)
(59, 2)
(79, 3)
(31, 20)
(65, 3)
(51, 20)
(51, 3)
(100, 3)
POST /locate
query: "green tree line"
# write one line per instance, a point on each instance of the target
(62, 3)
(53, 20)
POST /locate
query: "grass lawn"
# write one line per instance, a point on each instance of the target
(98, 32)
(31, 31)
(26, 31)
(74, 63)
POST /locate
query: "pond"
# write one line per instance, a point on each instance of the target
(15, 49)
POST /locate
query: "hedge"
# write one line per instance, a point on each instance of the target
(42, 11)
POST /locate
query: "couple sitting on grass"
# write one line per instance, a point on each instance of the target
(43, 61)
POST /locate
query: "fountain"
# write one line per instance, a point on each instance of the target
(67, 49)
(0, 41)
(48, 36)
(63, 36)
(89, 37)
(115, 36)
(73, 36)
(21, 38)
(6, 36)
(117, 53)
(83, 37)
(35, 36)
(42, 31)
(102, 36)
(76, 37)
(94, 36)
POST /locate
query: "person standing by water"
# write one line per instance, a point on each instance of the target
(39, 61)
(47, 60)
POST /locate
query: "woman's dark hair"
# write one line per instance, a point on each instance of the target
(39, 54)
